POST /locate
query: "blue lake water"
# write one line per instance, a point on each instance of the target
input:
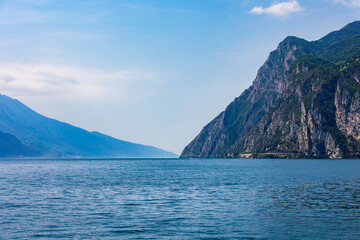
(180, 199)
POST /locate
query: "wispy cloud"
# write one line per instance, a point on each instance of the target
(19, 79)
(13, 16)
(349, 3)
(75, 35)
(280, 9)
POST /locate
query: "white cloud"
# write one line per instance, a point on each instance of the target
(19, 79)
(349, 3)
(279, 9)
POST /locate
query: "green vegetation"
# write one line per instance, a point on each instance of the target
(299, 119)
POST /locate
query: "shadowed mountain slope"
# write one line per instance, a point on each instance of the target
(56, 139)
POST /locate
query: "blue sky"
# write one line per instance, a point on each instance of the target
(148, 71)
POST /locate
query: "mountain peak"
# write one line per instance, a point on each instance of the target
(292, 40)
(354, 26)
(302, 104)
(350, 30)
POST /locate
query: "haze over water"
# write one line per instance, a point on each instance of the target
(180, 199)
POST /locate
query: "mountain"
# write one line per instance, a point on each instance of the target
(10, 146)
(25, 133)
(303, 103)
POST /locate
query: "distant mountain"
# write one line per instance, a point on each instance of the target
(25, 133)
(10, 146)
(304, 103)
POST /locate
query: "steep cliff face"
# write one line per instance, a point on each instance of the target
(298, 123)
(304, 102)
(248, 109)
(347, 103)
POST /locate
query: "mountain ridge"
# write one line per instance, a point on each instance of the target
(56, 139)
(251, 126)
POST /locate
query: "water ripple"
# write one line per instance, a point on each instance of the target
(180, 199)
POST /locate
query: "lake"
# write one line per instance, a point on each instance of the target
(180, 199)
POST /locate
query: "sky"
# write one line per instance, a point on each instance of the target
(153, 72)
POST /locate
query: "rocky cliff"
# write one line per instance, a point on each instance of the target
(304, 102)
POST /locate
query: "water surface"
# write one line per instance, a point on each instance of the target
(180, 199)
